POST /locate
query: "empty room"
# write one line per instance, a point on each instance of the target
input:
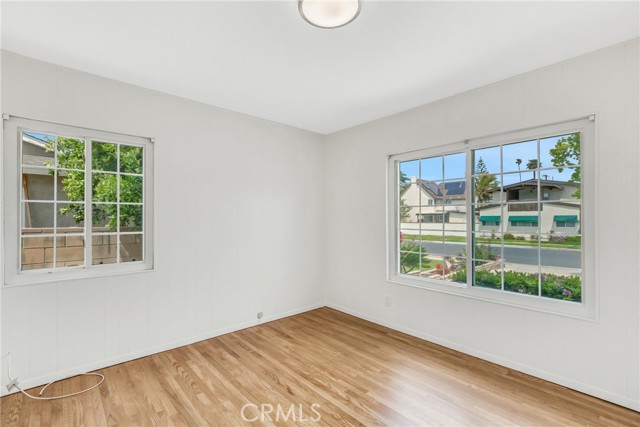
(320, 213)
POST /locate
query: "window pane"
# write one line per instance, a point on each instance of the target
(486, 189)
(37, 184)
(432, 267)
(130, 189)
(561, 283)
(104, 218)
(488, 219)
(70, 153)
(455, 269)
(104, 156)
(410, 258)
(487, 274)
(521, 280)
(37, 149)
(70, 217)
(38, 215)
(561, 184)
(431, 169)
(518, 188)
(33, 252)
(105, 187)
(520, 157)
(521, 259)
(408, 191)
(486, 160)
(130, 218)
(455, 166)
(560, 150)
(104, 249)
(130, 159)
(70, 185)
(72, 255)
(131, 247)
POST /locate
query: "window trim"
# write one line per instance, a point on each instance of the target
(12, 149)
(587, 309)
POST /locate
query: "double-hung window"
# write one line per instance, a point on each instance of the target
(513, 223)
(78, 202)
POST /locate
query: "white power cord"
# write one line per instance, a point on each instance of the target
(14, 383)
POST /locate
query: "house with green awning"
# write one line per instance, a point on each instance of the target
(515, 209)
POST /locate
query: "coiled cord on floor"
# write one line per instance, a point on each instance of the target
(47, 385)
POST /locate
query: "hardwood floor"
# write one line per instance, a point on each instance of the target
(356, 372)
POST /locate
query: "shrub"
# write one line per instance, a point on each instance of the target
(509, 236)
(519, 237)
(568, 288)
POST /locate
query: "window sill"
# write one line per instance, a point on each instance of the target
(26, 279)
(574, 310)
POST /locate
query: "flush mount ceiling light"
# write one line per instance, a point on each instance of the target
(329, 13)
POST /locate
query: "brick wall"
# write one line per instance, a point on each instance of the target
(37, 252)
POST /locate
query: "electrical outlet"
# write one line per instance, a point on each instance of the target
(13, 383)
(260, 315)
(387, 301)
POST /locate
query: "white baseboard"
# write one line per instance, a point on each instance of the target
(545, 375)
(68, 373)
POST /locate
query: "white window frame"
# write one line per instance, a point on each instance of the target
(12, 164)
(586, 309)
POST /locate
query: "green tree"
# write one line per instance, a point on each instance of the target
(485, 183)
(567, 153)
(70, 155)
(405, 183)
(532, 165)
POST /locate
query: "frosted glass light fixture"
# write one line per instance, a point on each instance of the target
(329, 13)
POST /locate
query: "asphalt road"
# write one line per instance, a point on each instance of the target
(515, 254)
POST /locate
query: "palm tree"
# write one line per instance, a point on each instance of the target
(485, 184)
(519, 162)
(532, 165)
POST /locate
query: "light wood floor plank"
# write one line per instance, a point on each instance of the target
(359, 373)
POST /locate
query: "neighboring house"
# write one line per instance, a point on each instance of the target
(560, 212)
(430, 206)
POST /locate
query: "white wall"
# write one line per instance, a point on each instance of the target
(601, 358)
(254, 191)
(237, 214)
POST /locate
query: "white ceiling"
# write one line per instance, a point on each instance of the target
(261, 58)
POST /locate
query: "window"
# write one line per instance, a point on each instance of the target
(83, 204)
(516, 225)
(435, 218)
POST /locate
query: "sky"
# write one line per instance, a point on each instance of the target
(431, 169)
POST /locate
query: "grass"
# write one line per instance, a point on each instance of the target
(486, 240)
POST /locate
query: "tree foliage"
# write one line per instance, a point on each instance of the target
(485, 183)
(71, 156)
(532, 165)
(404, 185)
(566, 153)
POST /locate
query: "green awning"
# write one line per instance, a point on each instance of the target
(566, 218)
(490, 218)
(521, 218)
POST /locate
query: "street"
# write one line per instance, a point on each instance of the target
(513, 254)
